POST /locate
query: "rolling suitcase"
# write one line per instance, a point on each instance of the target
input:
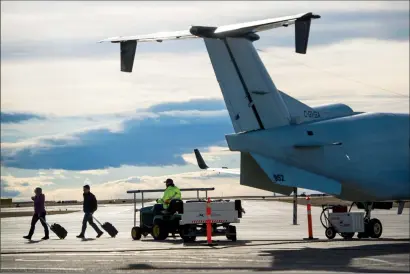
(108, 227)
(57, 229)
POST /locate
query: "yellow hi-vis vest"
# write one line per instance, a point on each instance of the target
(172, 192)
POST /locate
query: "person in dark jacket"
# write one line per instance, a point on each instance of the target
(89, 207)
(39, 213)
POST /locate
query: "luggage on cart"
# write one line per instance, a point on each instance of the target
(108, 227)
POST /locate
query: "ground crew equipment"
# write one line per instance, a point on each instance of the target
(341, 221)
(186, 219)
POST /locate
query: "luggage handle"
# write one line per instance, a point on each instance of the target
(97, 220)
(41, 218)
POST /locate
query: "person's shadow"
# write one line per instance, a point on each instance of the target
(87, 239)
(34, 241)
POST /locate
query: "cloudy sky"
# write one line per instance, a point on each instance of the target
(70, 117)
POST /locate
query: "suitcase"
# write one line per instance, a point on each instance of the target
(57, 229)
(109, 228)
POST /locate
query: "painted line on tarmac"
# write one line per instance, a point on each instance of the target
(99, 251)
(36, 260)
(383, 261)
(52, 260)
(43, 268)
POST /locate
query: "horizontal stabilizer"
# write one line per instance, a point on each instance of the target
(246, 30)
(233, 30)
(153, 37)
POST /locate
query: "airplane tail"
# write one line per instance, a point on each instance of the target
(200, 160)
(251, 98)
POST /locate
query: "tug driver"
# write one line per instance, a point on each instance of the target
(171, 192)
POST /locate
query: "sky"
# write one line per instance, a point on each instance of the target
(70, 117)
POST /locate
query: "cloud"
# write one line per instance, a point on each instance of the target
(155, 141)
(12, 186)
(344, 73)
(224, 184)
(338, 23)
(94, 172)
(212, 154)
(353, 71)
(6, 192)
(198, 104)
(62, 31)
(10, 118)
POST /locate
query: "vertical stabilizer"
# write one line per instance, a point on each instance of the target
(252, 100)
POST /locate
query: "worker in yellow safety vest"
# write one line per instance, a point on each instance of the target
(171, 192)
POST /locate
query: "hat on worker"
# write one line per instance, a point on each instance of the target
(168, 181)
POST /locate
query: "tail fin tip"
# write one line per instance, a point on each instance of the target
(200, 160)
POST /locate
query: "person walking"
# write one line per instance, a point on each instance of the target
(39, 214)
(89, 207)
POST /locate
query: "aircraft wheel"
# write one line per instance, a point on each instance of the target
(375, 228)
(136, 233)
(330, 233)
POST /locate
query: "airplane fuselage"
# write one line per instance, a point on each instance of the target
(367, 153)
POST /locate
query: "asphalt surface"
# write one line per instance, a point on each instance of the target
(267, 241)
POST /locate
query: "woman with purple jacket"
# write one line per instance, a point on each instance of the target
(39, 213)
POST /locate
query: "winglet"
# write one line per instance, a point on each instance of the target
(200, 160)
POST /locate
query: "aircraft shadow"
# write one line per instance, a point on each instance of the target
(221, 244)
(338, 259)
(293, 241)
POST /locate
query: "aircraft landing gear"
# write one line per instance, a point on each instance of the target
(372, 227)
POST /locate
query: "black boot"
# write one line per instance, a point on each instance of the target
(27, 237)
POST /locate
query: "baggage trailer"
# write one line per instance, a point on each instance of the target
(186, 219)
(346, 223)
(341, 221)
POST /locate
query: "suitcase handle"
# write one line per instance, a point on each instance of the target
(97, 221)
(41, 218)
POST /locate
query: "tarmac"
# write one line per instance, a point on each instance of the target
(267, 241)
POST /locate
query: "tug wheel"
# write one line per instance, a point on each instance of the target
(159, 231)
(136, 233)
